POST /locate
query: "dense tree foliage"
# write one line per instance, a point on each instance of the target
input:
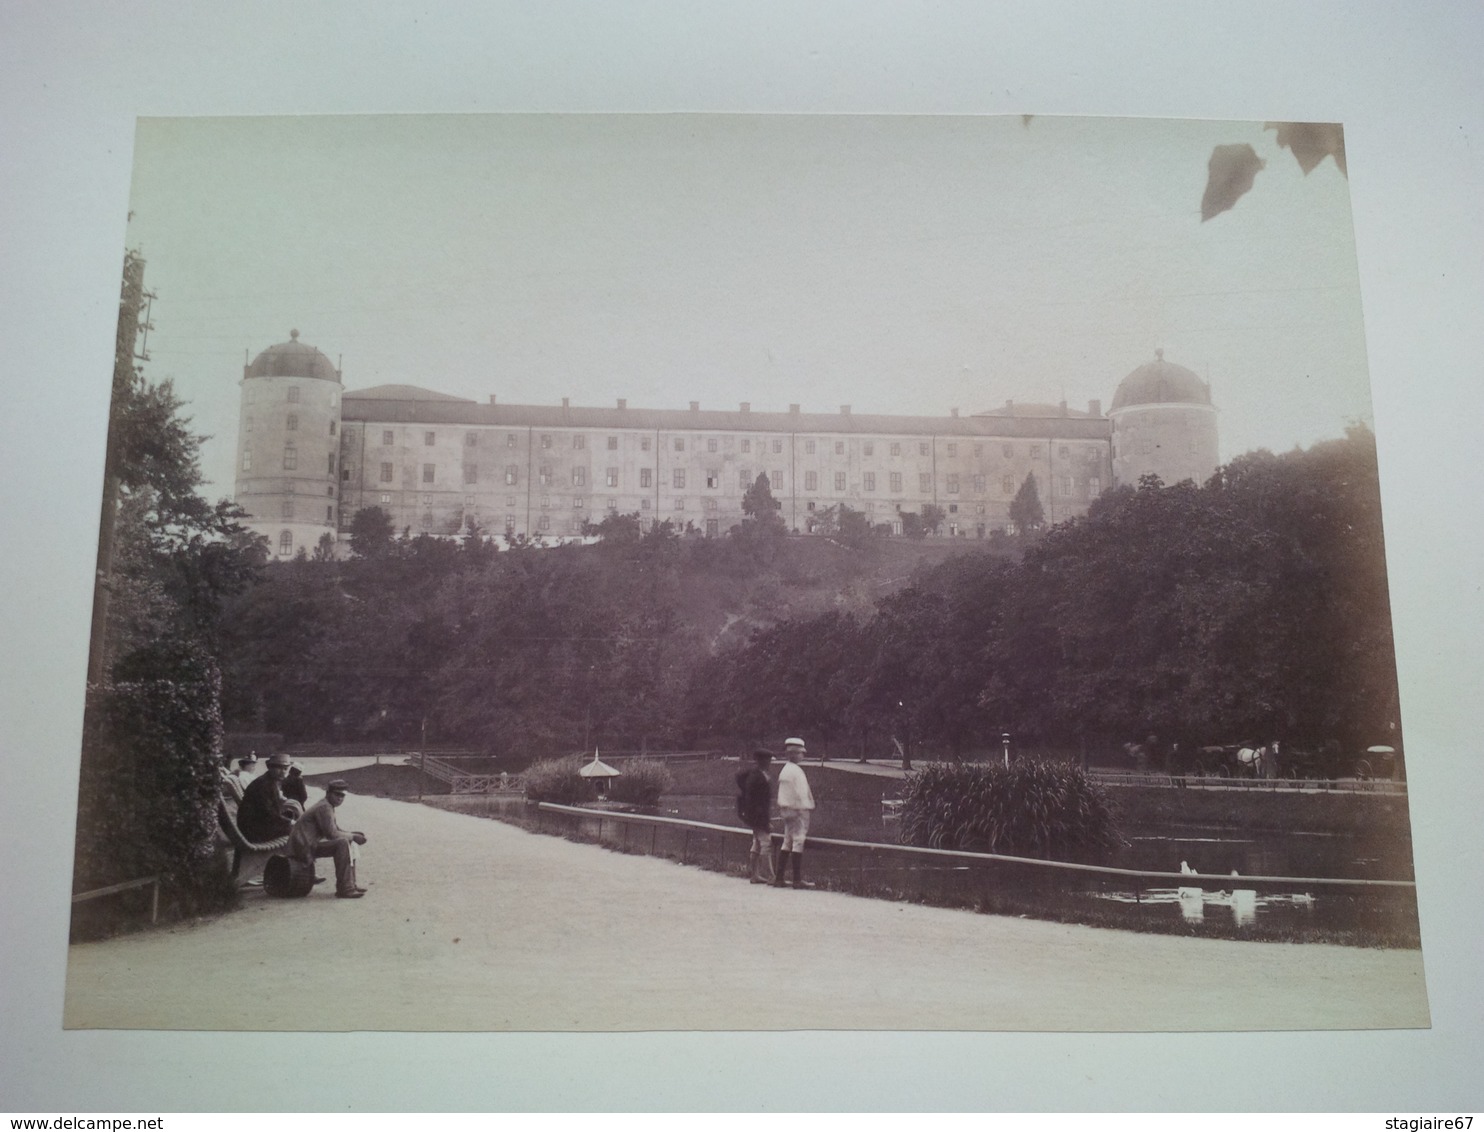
(169, 560)
(1026, 512)
(1252, 607)
(527, 650)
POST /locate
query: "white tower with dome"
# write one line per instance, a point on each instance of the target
(288, 445)
(1164, 424)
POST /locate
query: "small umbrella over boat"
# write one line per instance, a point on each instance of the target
(599, 771)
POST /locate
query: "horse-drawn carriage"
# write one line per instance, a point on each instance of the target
(1380, 761)
(1280, 760)
(1239, 760)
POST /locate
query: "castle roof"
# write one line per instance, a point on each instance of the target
(292, 359)
(1160, 383)
(1033, 409)
(442, 409)
(402, 393)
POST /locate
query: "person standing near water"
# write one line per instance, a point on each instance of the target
(754, 806)
(795, 803)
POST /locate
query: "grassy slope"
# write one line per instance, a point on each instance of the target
(810, 576)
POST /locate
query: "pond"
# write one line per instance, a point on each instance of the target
(1205, 849)
(1224, 908)
(1210, 851)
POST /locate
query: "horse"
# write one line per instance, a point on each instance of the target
(1259, 762)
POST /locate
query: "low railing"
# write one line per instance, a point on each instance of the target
(1137, 878)
(1276, 785)
(991, 882)
(621, 755)
(461, 781)
(152, 883)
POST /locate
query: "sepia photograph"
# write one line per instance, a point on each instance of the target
(742, 572)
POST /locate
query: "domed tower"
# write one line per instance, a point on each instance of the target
(288, 442)
(1164, 424)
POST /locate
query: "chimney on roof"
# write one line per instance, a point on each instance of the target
(1063, 406)
(492, 398)
(845, 410)
(953, 412)
(623, 403)
(695, 406)
(794, 409)
(1094, 408)
(747, 406)
(566, 403)
(1009, 403)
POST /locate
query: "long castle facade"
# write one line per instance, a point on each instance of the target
(310, 455)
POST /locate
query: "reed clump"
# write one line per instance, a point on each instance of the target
(1028, 809)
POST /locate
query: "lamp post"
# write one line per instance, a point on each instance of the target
(1005, 743)
(906, 735)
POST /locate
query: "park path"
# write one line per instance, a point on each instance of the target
(471, 924)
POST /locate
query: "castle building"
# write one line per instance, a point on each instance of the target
(1163, 424)
(311, 455)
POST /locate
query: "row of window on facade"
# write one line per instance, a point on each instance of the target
(291, 424)
(953, 483)
(290, 460)
(1146, 446)
(678, 503)
(291, 395)
(286, 511)
(712, 444)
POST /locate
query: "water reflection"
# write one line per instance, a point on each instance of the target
(1192, 899)
(1245, 904)
(1220, 901)
(1192, 904)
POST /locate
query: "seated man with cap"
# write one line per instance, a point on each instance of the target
(318, 834)
(264, 814)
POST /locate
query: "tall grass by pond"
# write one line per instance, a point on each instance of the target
(1028, 809)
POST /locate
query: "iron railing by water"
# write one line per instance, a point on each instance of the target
(1383, 909)
(1380, 786)
(1136, 878)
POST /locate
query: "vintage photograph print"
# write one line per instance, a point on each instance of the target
(704, 572)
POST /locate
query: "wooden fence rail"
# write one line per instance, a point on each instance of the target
(126, 886)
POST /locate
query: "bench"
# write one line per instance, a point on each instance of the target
(248, 856)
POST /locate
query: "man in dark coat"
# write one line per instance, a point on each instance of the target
(753, 807)
(264, 814)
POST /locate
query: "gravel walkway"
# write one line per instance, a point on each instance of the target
(471, 924)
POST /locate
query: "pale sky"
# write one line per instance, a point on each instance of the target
(895, 264)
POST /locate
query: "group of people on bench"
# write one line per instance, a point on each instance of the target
(273, 806)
